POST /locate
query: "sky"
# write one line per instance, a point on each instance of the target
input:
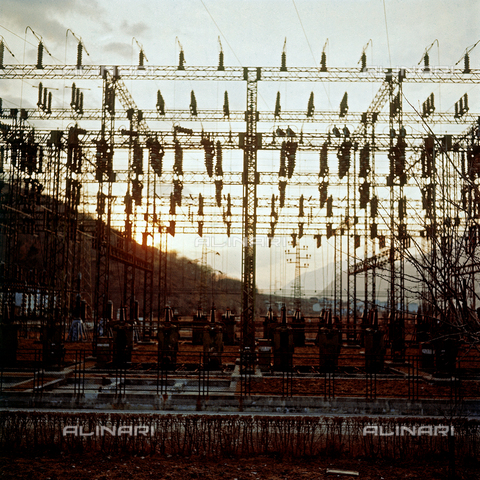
(252, 33)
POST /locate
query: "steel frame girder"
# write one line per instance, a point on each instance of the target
(328, 117)
(249, 213)
(269, 74)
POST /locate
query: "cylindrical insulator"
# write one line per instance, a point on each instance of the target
(181, 60)
(283, 68)
(141, 58)
(40, 56)
(324, 62)
(426, 62)
(49, 107)
(466, 64)
(79, 55)
(221, 67)
(364, 62)
(40, 94)
(2, 50)
(74, 95)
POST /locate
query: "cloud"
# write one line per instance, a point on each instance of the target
(49, 19)
(120, 48)
(134, 29)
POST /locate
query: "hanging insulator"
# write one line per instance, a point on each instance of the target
(400, 157)
(466, 64)
(226, 107)
(229, 206)
(79, 55)
(178, 165)
(402, 208)
(40, 95)
(343, 156)
(364, 190)
(392, 152)
(218, 166)
(156, 155)
(177, 192)
(323, 62)
(193, 104)
(141, 60)
(278, 108)
(311, 106)
(330, 206)
(137, 163)
(291, 155)
(221, 67)
(171, 228)
(181, 60)
(344, 105)
(40, 56)
(283, 155)
(160, 103)
(218, 192)
(73, 101)
(323, 161)
(110, 99)
(363, 61)
(373, 207)
(364, 161)
(329, 230)
(101, 203)
(282, 185)
(323, 189)
(209, 154)
(273, 213)
(128, 204)
(137, 187)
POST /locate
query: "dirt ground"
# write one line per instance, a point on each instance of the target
(73, 467)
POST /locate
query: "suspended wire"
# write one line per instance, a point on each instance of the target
(304, 32)
(386, 29)
(233, 51)
(311, 51)
(21, 38)
(219, 29)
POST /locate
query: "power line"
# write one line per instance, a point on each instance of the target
(221, 33)
(304, 32)
(386, 29)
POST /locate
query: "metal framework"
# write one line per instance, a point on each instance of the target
(357, 201)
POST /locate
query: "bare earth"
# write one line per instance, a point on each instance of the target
(96, 467)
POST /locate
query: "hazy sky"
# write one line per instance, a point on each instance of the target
(252, 33)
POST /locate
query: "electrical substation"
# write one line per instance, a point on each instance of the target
(88, 210)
